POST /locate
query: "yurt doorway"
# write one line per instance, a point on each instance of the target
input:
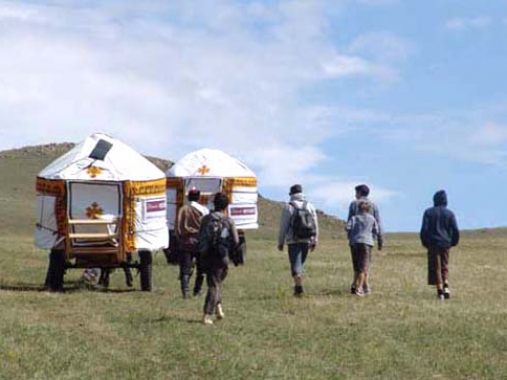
(207, 186)
(95, 214)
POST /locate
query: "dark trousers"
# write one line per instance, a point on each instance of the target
(215, 275)
(438, 265)
(187, 260)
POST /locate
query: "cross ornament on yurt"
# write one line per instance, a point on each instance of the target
(94, 211)
(203, 170)
(94, 171)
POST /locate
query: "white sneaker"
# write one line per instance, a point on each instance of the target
(207, 320)
(220, 312)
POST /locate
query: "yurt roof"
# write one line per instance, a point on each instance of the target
(103, 158)
(209, 163)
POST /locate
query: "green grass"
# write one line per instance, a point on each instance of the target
(400, 332)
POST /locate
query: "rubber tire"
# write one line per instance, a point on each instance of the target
(145, 270)
(56, 271)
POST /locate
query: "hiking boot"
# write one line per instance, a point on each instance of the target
(298, 291)
(207, 320)
(447, 292)
(184, 280)
(199, 279)
(220, 312)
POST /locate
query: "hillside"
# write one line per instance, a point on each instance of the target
(19, 168)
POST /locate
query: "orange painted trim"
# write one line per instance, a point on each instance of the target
(55, 187)
(140, 188)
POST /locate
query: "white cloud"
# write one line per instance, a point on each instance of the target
(463, 23)
(344, 66)
(376, 2)
(384, 46)
(489, 135)
(457, 137)
(171, 77)
(337, 195)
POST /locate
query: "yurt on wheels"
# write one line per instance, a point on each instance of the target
(212, 171)
(101, 205)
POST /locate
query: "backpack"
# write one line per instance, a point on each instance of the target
(302, 222)
(215, 239)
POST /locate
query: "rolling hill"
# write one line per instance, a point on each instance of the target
(19, 168)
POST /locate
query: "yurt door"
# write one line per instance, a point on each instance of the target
(94, 214)
(208, 188)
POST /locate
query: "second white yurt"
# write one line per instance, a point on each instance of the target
(212, 171)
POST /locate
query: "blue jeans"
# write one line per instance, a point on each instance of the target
(297, 257)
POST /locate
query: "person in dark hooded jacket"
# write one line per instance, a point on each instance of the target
(439, 233)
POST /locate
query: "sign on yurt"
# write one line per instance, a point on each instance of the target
(211, 171)
(99, 203)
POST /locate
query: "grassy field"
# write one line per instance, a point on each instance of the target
(400, 332)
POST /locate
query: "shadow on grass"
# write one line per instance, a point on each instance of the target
(69, 288)
(173, 318)
(22, 287)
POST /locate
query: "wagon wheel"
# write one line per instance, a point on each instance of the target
(145, 270)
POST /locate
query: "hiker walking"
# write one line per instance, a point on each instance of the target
(299, 229)
(361, 195)
(439, 232)
(187, 227)
(362, 230)
(217, 238)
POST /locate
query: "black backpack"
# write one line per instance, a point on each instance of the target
(302, 222)
(215, 241)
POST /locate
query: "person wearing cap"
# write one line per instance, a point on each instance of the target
(361, 195)
(187, 227)
(299, 229)
(439, 233)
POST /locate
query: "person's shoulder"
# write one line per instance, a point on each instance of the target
(450, 212)
(370, 217)
(429, 210)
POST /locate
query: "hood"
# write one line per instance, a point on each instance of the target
(440, 198)
(297, 197)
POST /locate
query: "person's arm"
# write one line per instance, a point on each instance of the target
(234, 232)
(349, 226)
(352, 211)
(378, 234)
(203, 242)
(178, 225)
(313, 212)
(376, 215)
(424, 230)
(284, 226)
(455, 231)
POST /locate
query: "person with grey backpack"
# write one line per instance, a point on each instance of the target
(299, 228)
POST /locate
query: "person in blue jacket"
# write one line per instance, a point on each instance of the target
(439, 233)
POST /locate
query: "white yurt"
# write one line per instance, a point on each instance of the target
(100, 202)
(212, 171)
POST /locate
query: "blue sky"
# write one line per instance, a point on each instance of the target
(406, 96)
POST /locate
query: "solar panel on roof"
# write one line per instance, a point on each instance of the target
(101, 150)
